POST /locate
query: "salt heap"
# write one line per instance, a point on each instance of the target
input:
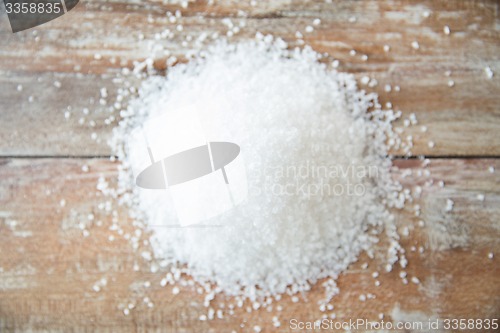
(315, 156)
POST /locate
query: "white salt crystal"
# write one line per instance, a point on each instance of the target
(490, 255)
(480, 197)
(451, 83)
(415, 280)
(415, 45)
(364, 80)
(488, 72)
(449, 205)
(387, 48)
(491, 169)
(446, 30)
(309, 28)
(317, 21)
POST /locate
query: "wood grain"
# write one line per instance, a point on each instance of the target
(48, 268)
(461, 120)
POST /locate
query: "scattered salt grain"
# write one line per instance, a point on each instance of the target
(491, 169)
(387, 48)
(446, 30)
(365, 80)
(488, 72)
(490, 255)
(415, 45)
(415, 280)
(451, 83)
(480, 197)
(309, 28)
(449, 205)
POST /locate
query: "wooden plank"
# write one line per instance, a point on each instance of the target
(43, 119)
(48, 268)
(461, 120)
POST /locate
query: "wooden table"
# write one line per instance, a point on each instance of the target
(49, 271)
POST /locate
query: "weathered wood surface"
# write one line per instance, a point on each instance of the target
(461, 120)
(48, 268)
